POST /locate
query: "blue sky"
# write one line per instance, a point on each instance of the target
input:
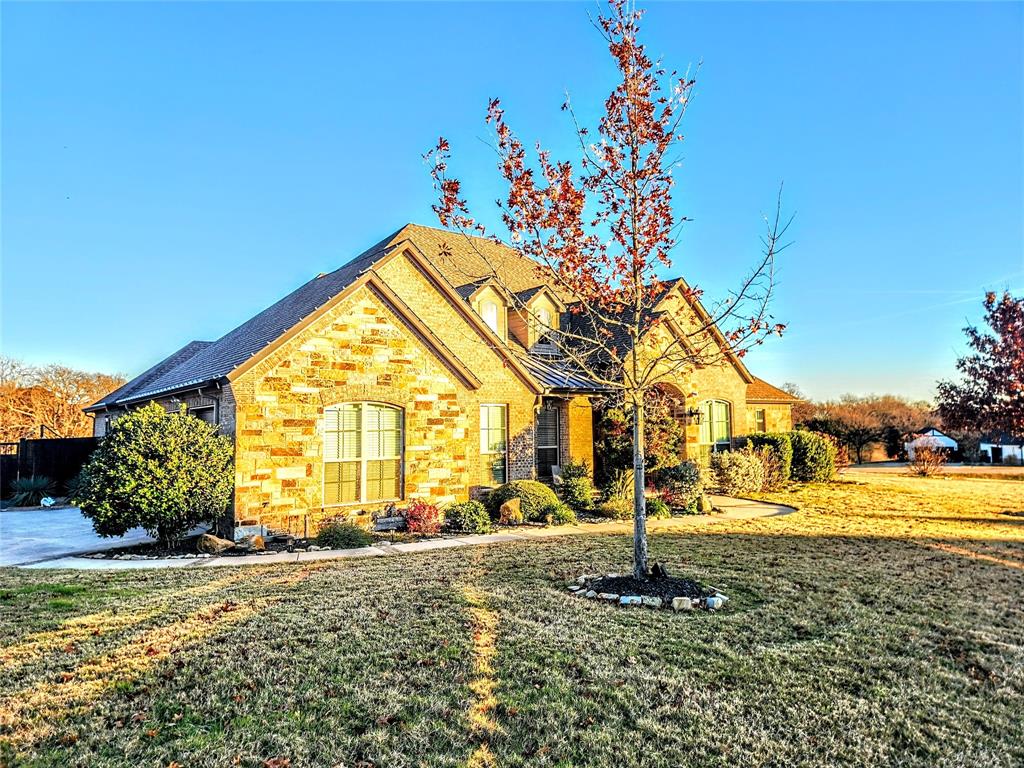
(169, 169)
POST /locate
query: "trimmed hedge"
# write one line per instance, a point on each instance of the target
(781, 445)
(533, 498)
(467, 517)
(339, 534)
(737, 472)
(559, 514)
(814, 457)
(682, 484)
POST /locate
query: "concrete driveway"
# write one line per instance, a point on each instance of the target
(31, 535)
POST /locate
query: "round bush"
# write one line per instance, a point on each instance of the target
(559, 514)
(423, 517)
(467, 517)
(814, 457)
(166, 472)
(338, 534)
(682, 484)
(533, 497)
(657, 509)
(737, 472)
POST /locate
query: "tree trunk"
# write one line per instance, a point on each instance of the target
(639, 501)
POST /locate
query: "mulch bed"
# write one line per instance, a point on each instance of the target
(666, 587)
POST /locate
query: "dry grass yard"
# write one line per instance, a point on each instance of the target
(882, 624)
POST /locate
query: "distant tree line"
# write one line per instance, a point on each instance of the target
(861, 422)
(48, 399)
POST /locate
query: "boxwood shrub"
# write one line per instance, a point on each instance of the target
(467, 517)
(737, 472)
(814, 457)
(533, 498)
(559, 514)
(782, 446)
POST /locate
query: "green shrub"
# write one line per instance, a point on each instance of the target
(782, 446)
(533, 497)
(166, 472)
(574, 470)
(616, 508)
(29, 491)
(578, 493)
(737, 472)
(657, 509)
(423, 517)
(814, 457)
(682, 484)
(559, 514)
(771, 467)
(467, 517)
(339, 534)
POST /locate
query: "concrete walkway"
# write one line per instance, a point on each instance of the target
(732, 509)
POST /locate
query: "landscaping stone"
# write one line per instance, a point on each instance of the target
(682, 604)
(714, 603)
(610, 597)
(213, 545)
(257, 543)
(575, 587)
(511, 512)
(651, 602)
(591, 594)
(630, 600)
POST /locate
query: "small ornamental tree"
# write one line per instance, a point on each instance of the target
(990, 397)
(601, 228)
(165, 472)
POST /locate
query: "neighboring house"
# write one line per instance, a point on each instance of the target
(407, 374)
(929, 437)
(1002, 449)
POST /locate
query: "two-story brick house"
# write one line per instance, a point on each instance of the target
(408, 374)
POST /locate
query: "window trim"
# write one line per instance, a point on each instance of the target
(484, 307)
(760, 420)
(363, 459)
(715, 446)
(504, 453)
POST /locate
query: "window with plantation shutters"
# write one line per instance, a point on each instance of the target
(547, 440)
(363, 446)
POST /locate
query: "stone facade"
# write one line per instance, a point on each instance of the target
(778, 417)
(364, 350)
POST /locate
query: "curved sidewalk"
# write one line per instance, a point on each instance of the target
(732, 509)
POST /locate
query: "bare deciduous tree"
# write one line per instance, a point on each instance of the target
(601, 228)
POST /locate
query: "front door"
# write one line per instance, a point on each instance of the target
(547, 440)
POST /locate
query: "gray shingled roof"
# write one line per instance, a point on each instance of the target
(217, 359)
(143, 380)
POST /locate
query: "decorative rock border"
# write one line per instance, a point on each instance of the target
(582, 588)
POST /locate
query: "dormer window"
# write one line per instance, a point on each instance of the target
(490, 315)
(544, 317)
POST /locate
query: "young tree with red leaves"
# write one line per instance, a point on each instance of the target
(601, 229)
(990, 398)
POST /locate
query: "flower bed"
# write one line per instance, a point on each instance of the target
(667, 592)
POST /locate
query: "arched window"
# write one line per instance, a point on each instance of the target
(715, 427)
(490, 315)
(363, 447)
